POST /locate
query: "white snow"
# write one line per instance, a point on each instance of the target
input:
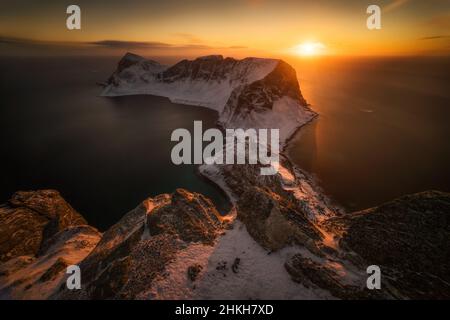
(304, 189)
(259, 275)
(212, 94)
(286, 115)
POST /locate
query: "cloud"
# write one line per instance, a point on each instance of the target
(193, 46)
(128, 44)
(188, 37)
(395, 4)
(112, 44)
(11, 40)
(434, 37)
(148, 45)
(6, 40)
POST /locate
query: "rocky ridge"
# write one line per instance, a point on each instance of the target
(30, 219)
(40, 235)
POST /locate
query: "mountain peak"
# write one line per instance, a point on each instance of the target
(211, 57)
(128, 60)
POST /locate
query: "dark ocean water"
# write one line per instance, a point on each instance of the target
(383, 128)
(104, 155)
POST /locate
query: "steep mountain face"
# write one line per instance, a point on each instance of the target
(137, 249)
(408, 238)
(39, 276)
(40, 235)
(30, 219)
(247, 93)
(132, 69)
(275, 101)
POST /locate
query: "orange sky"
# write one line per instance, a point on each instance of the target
(237, 27)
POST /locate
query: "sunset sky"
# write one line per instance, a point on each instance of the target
(234, 27)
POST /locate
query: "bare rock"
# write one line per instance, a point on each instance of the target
(311, 273)
(409, 238)
(274, 221)
(30, 218)
(38, 277)
(191, 216)
(136, 250)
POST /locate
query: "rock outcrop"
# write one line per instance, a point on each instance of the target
(40, 235)
(409, 238)
(30, 219)
(274, 221)
(137, 249)
(38, 277)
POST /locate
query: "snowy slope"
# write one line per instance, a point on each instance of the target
(258, 275)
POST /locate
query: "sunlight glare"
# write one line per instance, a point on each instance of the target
(309, 49)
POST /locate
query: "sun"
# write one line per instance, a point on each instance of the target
(309, 49)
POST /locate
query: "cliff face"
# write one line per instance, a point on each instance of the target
(408, 238)
(136, 250)
(248, 93)
(40, 235)
(30, 219)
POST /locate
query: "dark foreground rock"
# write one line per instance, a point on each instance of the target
(138, 248)
(274, 221)
(38, 277)
(409, 238)
(30, 218)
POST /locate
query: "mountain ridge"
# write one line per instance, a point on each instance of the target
(247, 93)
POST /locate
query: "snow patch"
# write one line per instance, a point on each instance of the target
(259, 274)
(286, 115)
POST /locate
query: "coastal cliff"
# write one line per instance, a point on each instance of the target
(248, 93)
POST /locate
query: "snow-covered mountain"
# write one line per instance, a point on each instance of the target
(248, 93)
